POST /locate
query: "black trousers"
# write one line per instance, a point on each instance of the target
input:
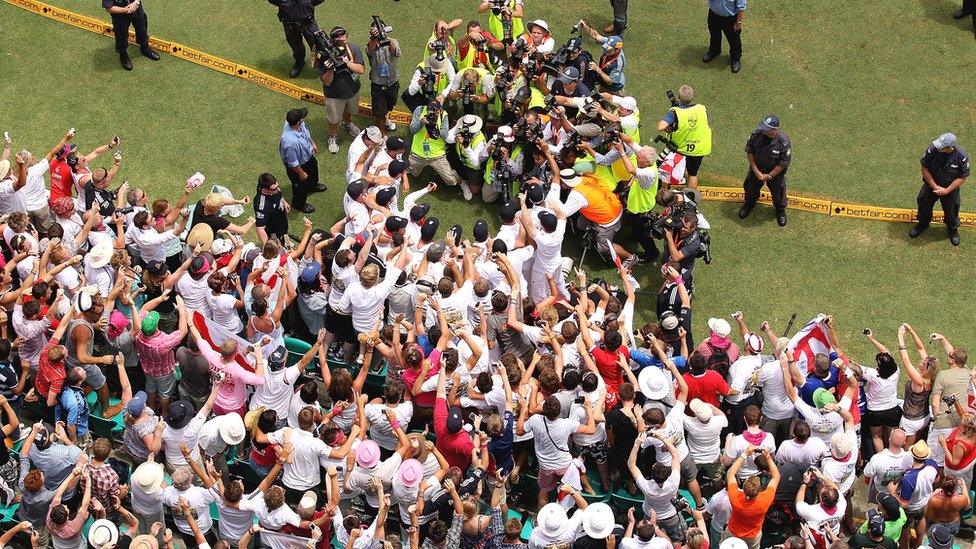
(296, 34)
(969, 6)
(777, 187)
(120, 24)
(619, 16)
(718, 25)
(301, 189)
(640, 230)
(950, 207)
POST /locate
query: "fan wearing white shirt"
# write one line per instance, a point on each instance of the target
(753, 436)
(34, 194)
(148, 240)
(881, 393)
(824, 517)
(661, 488)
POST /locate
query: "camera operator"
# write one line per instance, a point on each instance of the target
(429, 80)
(470, 90)
(769, 152)
(341, 86)
(469, 143)
(475, 49)
(503, 165)
(610, 69)
(687, 125)
(298, 19)
(580, 59)
(505, 19)
(429, 128)
(441, 42)
(543, 165)
(567, 88)
(683, 244)
(384, 79)
(600, 210)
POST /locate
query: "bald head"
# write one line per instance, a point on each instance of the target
(896, 441)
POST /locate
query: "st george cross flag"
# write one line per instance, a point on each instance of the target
(809, 341)
(215, 334)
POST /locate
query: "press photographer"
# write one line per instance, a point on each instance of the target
(384, 80)
(340, 63)
(470, 90)
(470, 144)
(431, 77)
(298, 19)
(688, 132)
(679, 225)
(478, 48)
(504, 19)
(503, 167)
(429, 128)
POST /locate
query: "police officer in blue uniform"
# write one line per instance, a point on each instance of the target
(945, 167)
(769, 152)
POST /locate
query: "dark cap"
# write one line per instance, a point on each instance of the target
(508, 211)
(337, 31)
(875, 522)
(457, 231)
(385, 195)
(434, 105)
(575, 44)
(498, 246)
(179, 414)
(770, 122)
(569, 75)
(889, 505)
(356, 189)
(455, 421)
(435, 252)
(398, 166)
(535, 194)
(480, 230)
(429, 229)
(42, 439)
(940, 537)
(396, 223)
(548, 221)
(156, 268)
(295, 116)
(279, 355)
(419, 212)
(395, 143)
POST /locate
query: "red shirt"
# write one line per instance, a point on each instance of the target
(706, 387)
(61, 180)
(607, 362)
(456, 447)
(50, 377)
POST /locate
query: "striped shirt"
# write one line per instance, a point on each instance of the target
(156, 352)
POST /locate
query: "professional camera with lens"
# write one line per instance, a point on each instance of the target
(550, 104)
(439, 49)
(430, 122)
(527, 133)
(672, 98)
(497, 6)
(382, 30)
(328, 54)
(466, 91)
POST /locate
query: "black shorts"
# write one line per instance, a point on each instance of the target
(383, 98)
(339, 325)
(883, 418)
(692, 163)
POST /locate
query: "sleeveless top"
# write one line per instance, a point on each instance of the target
(968, 458)
(71, 359)
(916, 405)
(277, 335)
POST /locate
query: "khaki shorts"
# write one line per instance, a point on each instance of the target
(335, 108)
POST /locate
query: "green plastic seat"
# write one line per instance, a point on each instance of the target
(296, 349)
(621, 500)
(600, 496)
(104, 428)
(966, 514)
(527, 528)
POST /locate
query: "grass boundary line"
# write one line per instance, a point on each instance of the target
(825, 206)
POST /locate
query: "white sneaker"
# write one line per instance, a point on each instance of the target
(391, 125)
(351, 128)
(466, 191)
(333, 144)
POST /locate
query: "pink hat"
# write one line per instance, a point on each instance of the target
(117, 323)
(411, 472)
(368, 454)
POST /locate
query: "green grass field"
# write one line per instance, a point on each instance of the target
(861, 89)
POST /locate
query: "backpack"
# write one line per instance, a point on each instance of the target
(719, 360)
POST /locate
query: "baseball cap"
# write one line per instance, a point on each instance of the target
(945, 140)
(374, 134)
(310, 272)
(396, 223)
(454, 420)
(117, 323)
(279, 355)
(150, 323)
(875, 522)
(669, 321)
(294, 116)
(419, 212)
(548, 220)
(506, 133)
(62, 205)
(822, 397)
(535, 194)
(385, 195)
(435, 252)
(628, 103)
(770, 122)
(569, 75)
(398, 166)
(575, 44)
(395, 143)
(137, 404)
(356, 189)
(701, 409)
(508, 211)
(480, 230)
(613, 42)
(720, 326)
(200, 264)
(429, 229)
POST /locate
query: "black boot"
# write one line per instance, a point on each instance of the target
(296, 70)
(126, 62)
(146, 51)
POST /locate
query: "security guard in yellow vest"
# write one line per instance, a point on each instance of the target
(429, 128)
(505, 20)
(470, 144)
(687, 124)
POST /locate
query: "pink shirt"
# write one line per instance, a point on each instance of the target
(233, 391)
(410, 376)
(156, 352)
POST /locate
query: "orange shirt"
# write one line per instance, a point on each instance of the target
(747, 516)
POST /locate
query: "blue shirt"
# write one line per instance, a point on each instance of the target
(644, 358)
(73, 409)
(295, 146)
(726, 8)
(813, 383)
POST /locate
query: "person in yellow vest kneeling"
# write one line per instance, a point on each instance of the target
(429, 128)
(600, 209)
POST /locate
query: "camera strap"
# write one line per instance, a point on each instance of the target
(545, 422)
